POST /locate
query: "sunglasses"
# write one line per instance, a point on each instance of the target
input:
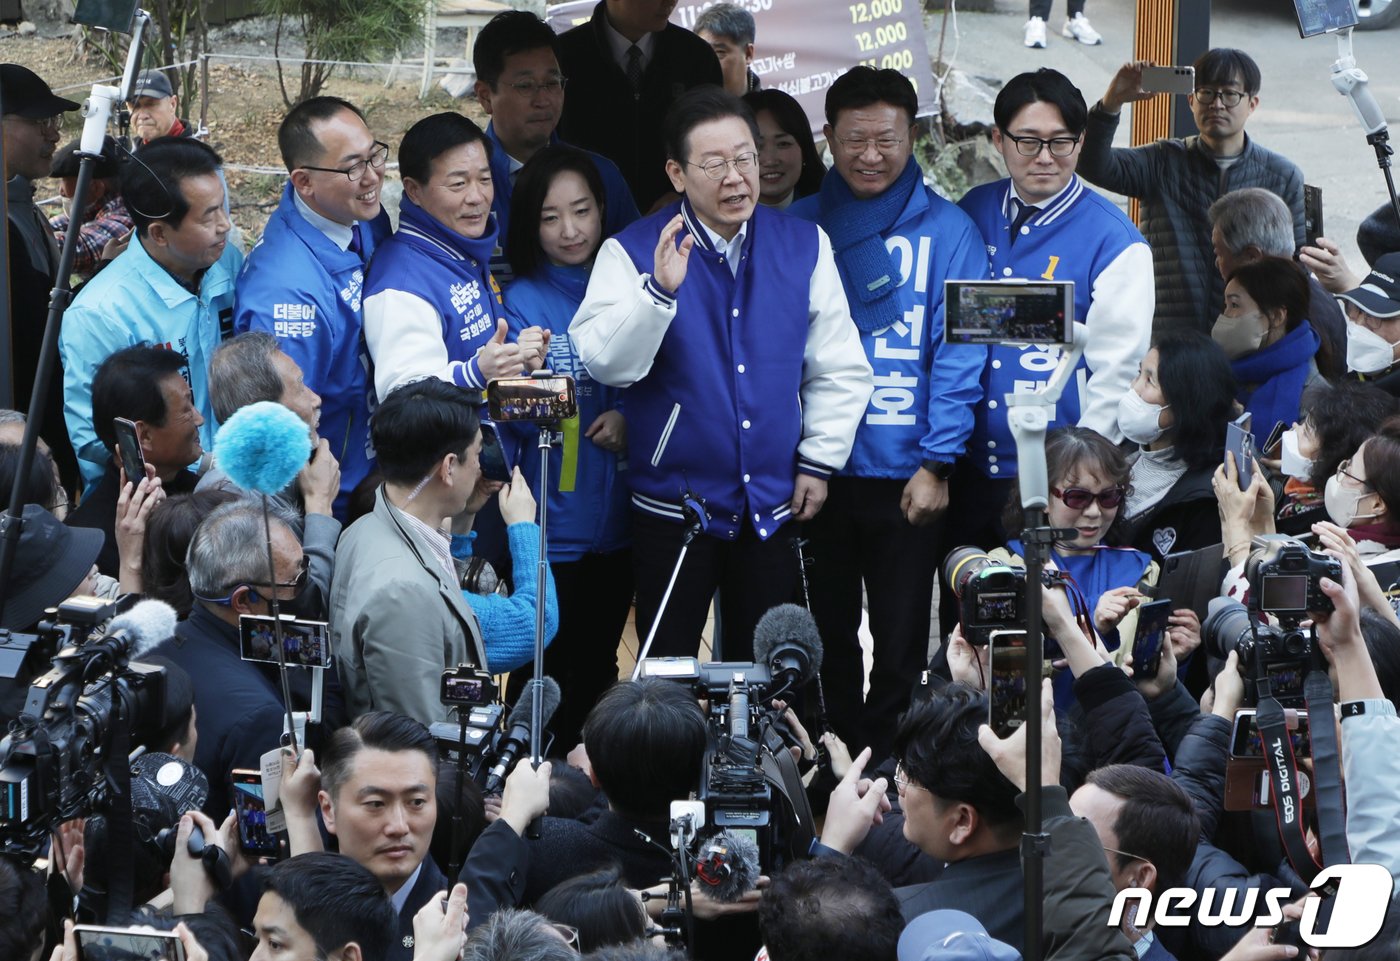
(1077, 498)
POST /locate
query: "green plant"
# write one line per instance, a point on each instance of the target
(340, 30)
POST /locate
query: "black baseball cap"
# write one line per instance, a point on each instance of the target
(65, 160)
(1379, 293)
(152, 83)
(26, 95)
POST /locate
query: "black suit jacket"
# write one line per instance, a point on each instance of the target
(990, 888)
(566, 849)
(602, 113)
(430, 881)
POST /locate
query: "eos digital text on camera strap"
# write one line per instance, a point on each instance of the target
(1285, 778)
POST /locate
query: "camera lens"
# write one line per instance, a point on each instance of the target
(1226, 629)
(962, 563)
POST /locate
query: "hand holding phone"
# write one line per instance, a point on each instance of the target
(1150, 636)
(1240, 442)
(1180, 80)
(251, 810)
(133, 461)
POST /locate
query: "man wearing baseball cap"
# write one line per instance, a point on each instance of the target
(155, 109)
(32, 124)
(1373, 328)
(104, 226)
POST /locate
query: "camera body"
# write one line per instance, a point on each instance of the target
(1285, 578)
(992, 594)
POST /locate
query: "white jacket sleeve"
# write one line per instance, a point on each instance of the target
(403, 333)
(1120, 331)
(1371, 771)
(623, 318)
(836, 376)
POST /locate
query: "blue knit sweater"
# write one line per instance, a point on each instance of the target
(508, 623)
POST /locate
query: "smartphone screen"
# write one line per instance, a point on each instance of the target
(248, 804)
(1014, 312)
(96, 943)
(1151, 634)
(304, 643)
(493, 456)
(1247, 741)
(1312, 214)
(129, 450)
(1007, 689)
(535, 399)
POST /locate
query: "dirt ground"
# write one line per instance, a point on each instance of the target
(245, 107)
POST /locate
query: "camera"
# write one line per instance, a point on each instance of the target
(475, 738)
(1285, 578)
(464, 686)
(54, 760)
(1284, 656)
(992, 594)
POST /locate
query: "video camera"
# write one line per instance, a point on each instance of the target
(79, 718)
(992, 594)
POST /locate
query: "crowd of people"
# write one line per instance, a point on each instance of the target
(767, 413)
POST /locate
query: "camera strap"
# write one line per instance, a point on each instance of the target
(1327, 766)
(121, 833)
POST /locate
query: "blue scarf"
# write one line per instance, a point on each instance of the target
(478, 249)
(856, 227)
(1280, 371)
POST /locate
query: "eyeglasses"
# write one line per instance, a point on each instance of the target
(717, 169)
(377, 158)
(902, 781)
(296, 587)
(1125, 854)
(1342, 469)
(856, 145)
(1230, 98)
(1032, 146)
(1077, 498)
(54, 123)
(528, 88)
(568, 932)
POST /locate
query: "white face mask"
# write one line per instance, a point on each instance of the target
(1240, 335)
(1367, 351)
(1344, 503)
(1138, 420)
(1292, 462)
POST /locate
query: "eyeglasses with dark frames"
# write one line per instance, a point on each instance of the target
(1077, 498)
(1032, 146)
(378, 156)
(1230, 98)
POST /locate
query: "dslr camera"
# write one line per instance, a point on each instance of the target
(991, 594)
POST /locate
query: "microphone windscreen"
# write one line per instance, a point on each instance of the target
(788, 625)
(740, 853)
(262, 447)
(149, 623)
(521, 715)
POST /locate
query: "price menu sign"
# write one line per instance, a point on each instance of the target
(802, 46)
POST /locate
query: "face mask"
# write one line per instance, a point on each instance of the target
(1238, 336)
(1344, 503)
(1293, 463)
(1138, 420)
(1367, 351)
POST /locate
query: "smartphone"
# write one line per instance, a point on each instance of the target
(129, 450)
(1312, 213)
(253, 836)
(116, 16)
(1271, 443)
(1169, 79)
(545, 398)
(1324, 16)
(1240, 442)
(1246, 741)
(494, 464)
(1008, 312)
(1006, 698)
(98, 943)
(304, 643)
(467, 687)
(1151, 635)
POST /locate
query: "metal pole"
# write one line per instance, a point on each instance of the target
(7, 383)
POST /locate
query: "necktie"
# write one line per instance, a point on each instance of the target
(356, 246)
(1024, 212)
(634, 67)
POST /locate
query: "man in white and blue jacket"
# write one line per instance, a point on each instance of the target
(895, 242)
(304, 280)
(727, 323)
(1045, 223)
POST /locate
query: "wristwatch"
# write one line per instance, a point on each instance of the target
(940, 469)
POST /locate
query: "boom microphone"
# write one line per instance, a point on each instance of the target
(144, 627)
(728, 866)
(786, 640)
(518, 727)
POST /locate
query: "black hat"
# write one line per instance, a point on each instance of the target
(152, 83)
(1379, 293)
(51, 560)
(1379, 234)
(26, 94)
(65, 160)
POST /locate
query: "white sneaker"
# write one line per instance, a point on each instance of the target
(1035, 33)
(1079, 29)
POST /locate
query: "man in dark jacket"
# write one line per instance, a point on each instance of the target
(1178, 180)
(626, 66)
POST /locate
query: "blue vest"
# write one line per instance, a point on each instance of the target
(719, 411)
(1073, 238)
(449, 271)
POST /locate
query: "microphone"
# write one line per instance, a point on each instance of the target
(786, 640)
(262, 447)
(143, 628)
(728, 866)
(518, 727)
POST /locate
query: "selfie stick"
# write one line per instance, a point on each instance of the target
(97, 110)
(697, 520)
(1029, 416)
(1351, 82)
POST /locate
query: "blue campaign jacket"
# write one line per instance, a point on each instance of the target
(925, 390)
(1077, 237)
(588, 495)
(304, 290)
(619, 207)
(133, 301)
